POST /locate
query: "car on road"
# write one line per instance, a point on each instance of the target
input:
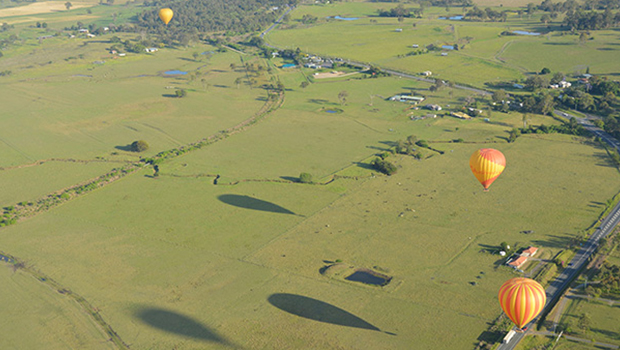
(564, 115)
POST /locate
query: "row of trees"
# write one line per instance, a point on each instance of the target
(477, 14)
(592, 20)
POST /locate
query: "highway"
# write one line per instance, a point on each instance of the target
(559, 285)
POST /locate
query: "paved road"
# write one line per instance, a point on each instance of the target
(559, 285)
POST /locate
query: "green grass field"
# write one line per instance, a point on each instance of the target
(175, 261)
(37, 317)
(604, 326)
(486, 57)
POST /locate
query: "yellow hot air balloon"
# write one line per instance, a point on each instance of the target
(487, 164)
(165, 15)
(522, 299)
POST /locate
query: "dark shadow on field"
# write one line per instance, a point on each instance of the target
(126, 148)
(187, 59)
(607, 333)
(554, 241)
(606, 49)
(604, 160)
(248, 202)
(500, 124)
(560, 44)
(261, 98)
(317, 310)
(390, 144)
(221, 86)
(290, 178)
(176, 323)
(489, 337)
(318, 101)
(364, 165)
(597, 204)
(489, 248)
(383, 149)
(170, 95)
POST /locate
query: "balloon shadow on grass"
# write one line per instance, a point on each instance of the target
(248, 202)
(176, 323)
(317, 310)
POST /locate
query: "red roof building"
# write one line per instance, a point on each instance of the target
(531, 251)
(518, 262)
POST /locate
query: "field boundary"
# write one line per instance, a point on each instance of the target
(87, 307)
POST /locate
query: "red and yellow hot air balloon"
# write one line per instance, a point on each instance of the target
(487, 164)
(522, 299)
(166, 15)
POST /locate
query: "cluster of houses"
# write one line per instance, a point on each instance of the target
(317, 62)
(518, 260)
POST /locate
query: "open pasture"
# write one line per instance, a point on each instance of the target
(41, 7)
(178, 261)
(36, 316)
(238, 265)
(603, 316)
(487, 56)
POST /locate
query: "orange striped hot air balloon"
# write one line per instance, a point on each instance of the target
(522, 299)
(487, 164)
(165, 15)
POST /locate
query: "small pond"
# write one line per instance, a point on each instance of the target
(448, 47)
(453, 18)
(523, 32)
(332, 110)
(175, 72)
(288, 65)
(369, 277)
(344, 18)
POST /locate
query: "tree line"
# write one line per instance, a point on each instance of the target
(192, 17)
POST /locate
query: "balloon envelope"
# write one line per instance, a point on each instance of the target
(165, 15)
(487, 164)
(522, 299)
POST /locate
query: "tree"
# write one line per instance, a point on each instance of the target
(384, 166)
(545, 71)
(499, 96)
(512, 136)
(524, 118)
(180, 93)
(139, 146)
(233, 66)
(195, 55)
(238, 82)
(68, 5)
(304, 84)
(584, 322)
(557, 77)
(535, 82)
(342, 97)
(545, 18)
(505, 247)
(305, 178)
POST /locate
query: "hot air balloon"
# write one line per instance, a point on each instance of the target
(522, 299)
(165, 15)
(487, 164)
